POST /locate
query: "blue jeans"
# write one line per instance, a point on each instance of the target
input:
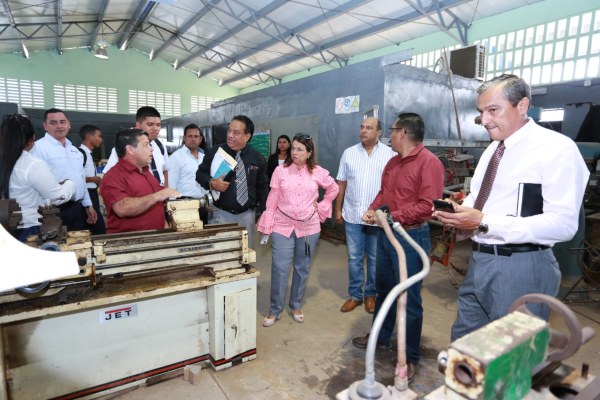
(361, 241)
(388, 276)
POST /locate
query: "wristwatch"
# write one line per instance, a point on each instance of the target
(483, 228)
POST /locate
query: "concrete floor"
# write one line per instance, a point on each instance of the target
(316, 359)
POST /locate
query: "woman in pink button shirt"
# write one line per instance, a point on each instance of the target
(293, 218)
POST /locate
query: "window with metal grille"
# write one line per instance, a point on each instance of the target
(85, 98)
(558, 51)
(167, 104)
(200, 103)
(24, 92)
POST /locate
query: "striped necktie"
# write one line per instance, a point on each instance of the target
(153, 168)
(486, 187)
(241, 184)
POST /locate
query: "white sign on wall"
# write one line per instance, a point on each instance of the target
(347, 105)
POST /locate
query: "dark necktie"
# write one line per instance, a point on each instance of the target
(241, 184)
(486, 187)
(153, 168)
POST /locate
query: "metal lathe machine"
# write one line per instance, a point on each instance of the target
(142, 305)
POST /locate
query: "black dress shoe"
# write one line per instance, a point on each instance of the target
(362, 341)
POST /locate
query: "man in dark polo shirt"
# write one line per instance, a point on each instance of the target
(241, 189)
(132, 196)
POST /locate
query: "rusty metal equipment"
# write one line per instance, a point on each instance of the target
(10, 214)
(515, 357)
(151, 303)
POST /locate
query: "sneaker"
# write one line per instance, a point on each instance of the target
(362, 341)
(350, 305)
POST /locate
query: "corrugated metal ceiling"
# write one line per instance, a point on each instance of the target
(240, 43)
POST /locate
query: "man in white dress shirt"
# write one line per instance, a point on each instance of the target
(91, 138)
(66, 162)
(359, 180)
(184, 165)
(534, 202)
(148, 119)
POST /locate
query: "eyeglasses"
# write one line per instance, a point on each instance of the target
(302, 136)
(395, 129)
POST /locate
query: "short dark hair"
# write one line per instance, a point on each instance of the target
(145, 112)
(247, 121)
(191, 126)
(413, 125)
(53, 111)
(127, 137)
(514, 88)
(87, 130)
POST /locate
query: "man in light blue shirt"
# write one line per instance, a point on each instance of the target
(66, 162)
(359, 180)
(184, 165)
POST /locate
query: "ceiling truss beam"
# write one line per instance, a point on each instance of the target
(59, 32)
(185, 27)
(140, 15)
(391, 23)
(247, 15)
(440, 22)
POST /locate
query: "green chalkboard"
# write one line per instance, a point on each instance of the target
(261, 142)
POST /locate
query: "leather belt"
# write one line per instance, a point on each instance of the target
(235, 212)
(507, 249)
(415, 226)
(69, 204)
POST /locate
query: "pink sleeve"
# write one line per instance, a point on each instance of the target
(331, 190)
(265, 222)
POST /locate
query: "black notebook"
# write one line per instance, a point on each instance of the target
(530, 200)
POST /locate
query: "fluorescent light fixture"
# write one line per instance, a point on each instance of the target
(101, 53)
(25, 51)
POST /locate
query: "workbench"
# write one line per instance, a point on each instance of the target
(83, 341)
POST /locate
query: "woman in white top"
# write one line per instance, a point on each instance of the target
(25, 178)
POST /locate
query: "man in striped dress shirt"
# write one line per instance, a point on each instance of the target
(359, 180)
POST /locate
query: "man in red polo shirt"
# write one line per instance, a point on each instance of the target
(132, 196)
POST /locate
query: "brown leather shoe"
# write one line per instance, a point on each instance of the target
(350, 305)
(370, 304)
(362, 341)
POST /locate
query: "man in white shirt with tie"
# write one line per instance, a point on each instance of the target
(148, 119)
(534, 202)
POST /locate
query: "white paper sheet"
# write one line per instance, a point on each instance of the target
(23, 265)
